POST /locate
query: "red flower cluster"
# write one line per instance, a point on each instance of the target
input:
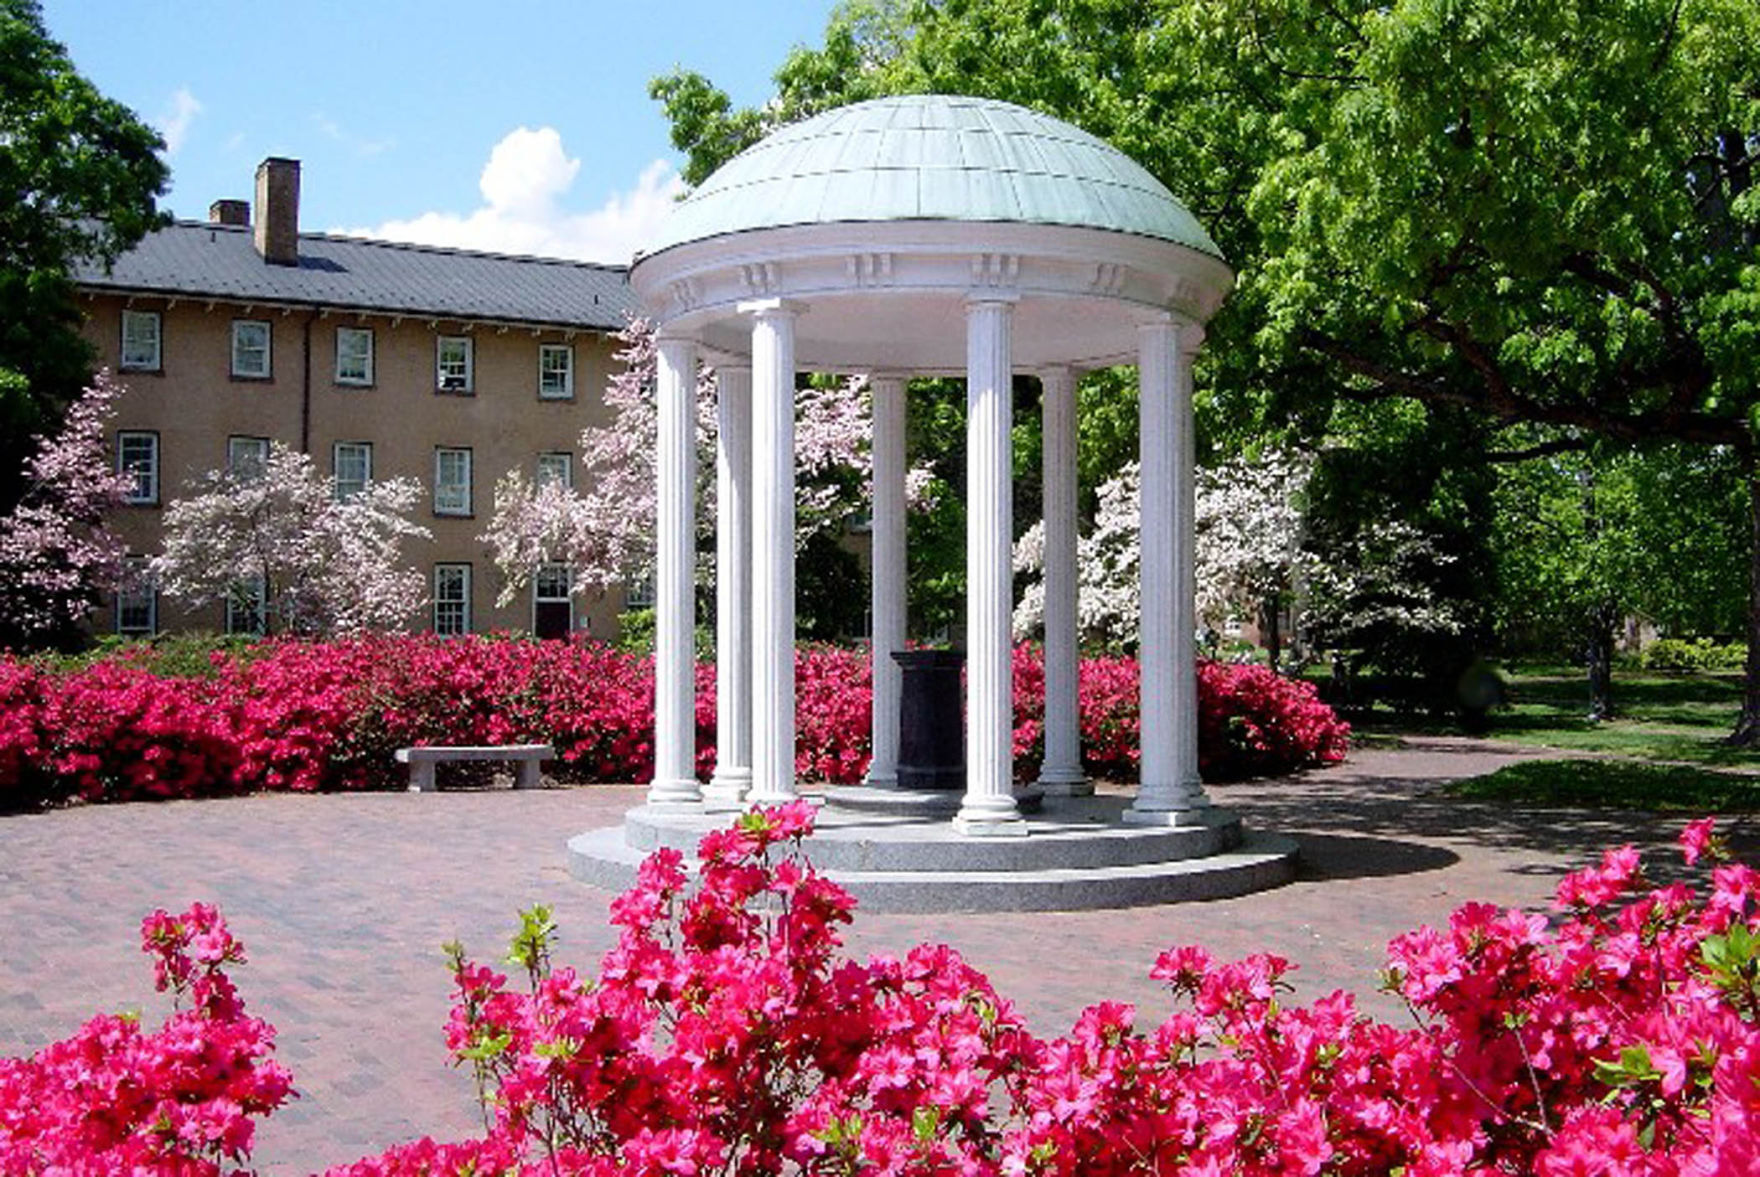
(727, 1033)
(178, 1101)
(301, 715)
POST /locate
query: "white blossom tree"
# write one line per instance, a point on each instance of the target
(605, 532)
(57, 554)
(1248, 547)
(321, 564)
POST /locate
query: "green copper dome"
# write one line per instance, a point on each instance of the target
(931, 157)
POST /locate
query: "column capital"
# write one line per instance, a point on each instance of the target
(771, 308)
(737, 364)
(1187, 330)
(1067, 372)
(981, 296)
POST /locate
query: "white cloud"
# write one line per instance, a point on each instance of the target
(173, 122)
(525, 185)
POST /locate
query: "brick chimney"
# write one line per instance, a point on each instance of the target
(230, 212)
(278, 211)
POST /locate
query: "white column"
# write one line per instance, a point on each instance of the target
(1061, 773)
(989, 806)
(772, 550)
(1170, 792)
(675, 727)
(733, 588)
(887, 575)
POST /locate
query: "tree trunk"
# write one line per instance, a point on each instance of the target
(1747, 733)
(1603, 620)
(1270, 612)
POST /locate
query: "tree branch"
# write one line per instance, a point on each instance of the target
(1545, 449)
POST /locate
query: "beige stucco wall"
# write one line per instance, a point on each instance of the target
(194, 404)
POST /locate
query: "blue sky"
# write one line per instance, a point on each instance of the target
(521, 125)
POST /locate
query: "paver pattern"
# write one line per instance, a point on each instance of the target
(343, 902)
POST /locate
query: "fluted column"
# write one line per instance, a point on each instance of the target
(733, 588)
(675, 728)
(989, 806)
(773, 623)
(1171, 792)
(1061, 773)
(887, 633)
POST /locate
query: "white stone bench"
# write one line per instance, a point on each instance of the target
(421, 761)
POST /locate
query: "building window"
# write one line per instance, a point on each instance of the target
(247, 457)
(638, 593)
(555, 372)
(453, 364)
(552, 604)
(452, 481)
(557, 467)
(247, 607)
(250, 349)
(140, 341)
(452, 598)
(137, 454)
(137, 603)
(351, 468)
(354, 355)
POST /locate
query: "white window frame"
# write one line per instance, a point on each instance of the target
(451, 496)
(138, 352)
(363, 450)
(554, 466)
(458, 378)
(548, 390)
(452, 599)
(539, 597)
(242, 327)
(638, 593)
(246, 457)
(145, 492)
(363, 378)
(247, 608)
(137, 593)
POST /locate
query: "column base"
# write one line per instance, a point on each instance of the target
(1186, 806)
(884, 779)
(675, 794)
(989, 827)
(759, 799)
(726, 792)
(1062, 782)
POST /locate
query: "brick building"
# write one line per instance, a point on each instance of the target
(378, 359)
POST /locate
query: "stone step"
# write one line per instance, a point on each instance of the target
(1076, 833)
(604, 858)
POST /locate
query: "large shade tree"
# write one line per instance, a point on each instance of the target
(1543, 214)
(80, 175)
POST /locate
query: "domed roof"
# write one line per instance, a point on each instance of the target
(931, 157)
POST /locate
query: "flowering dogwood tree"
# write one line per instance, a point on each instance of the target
(1248, 547)
(57, 556)
(605, 532)
(324, 564)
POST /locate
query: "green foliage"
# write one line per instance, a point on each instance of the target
(635, 631)
(81, 176)
(191, 654)
(1614, 784)
(1692, 654)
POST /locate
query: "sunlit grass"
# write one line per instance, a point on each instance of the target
(1613, 784)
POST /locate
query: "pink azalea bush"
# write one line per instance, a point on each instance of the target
(181, 1100)
(728, 1033)
(300, 715)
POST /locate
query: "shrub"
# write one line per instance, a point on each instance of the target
(1699, 654)
(147, 721)
(727, 1032)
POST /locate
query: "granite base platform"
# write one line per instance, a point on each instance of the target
(1079, 854)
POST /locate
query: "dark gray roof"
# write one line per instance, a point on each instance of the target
(195, 259)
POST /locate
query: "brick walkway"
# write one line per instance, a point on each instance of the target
(343, 902)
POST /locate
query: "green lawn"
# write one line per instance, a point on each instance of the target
(1614, 784)
(1659, 716)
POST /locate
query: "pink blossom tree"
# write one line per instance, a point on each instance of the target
(57, 554)
(317, 563)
